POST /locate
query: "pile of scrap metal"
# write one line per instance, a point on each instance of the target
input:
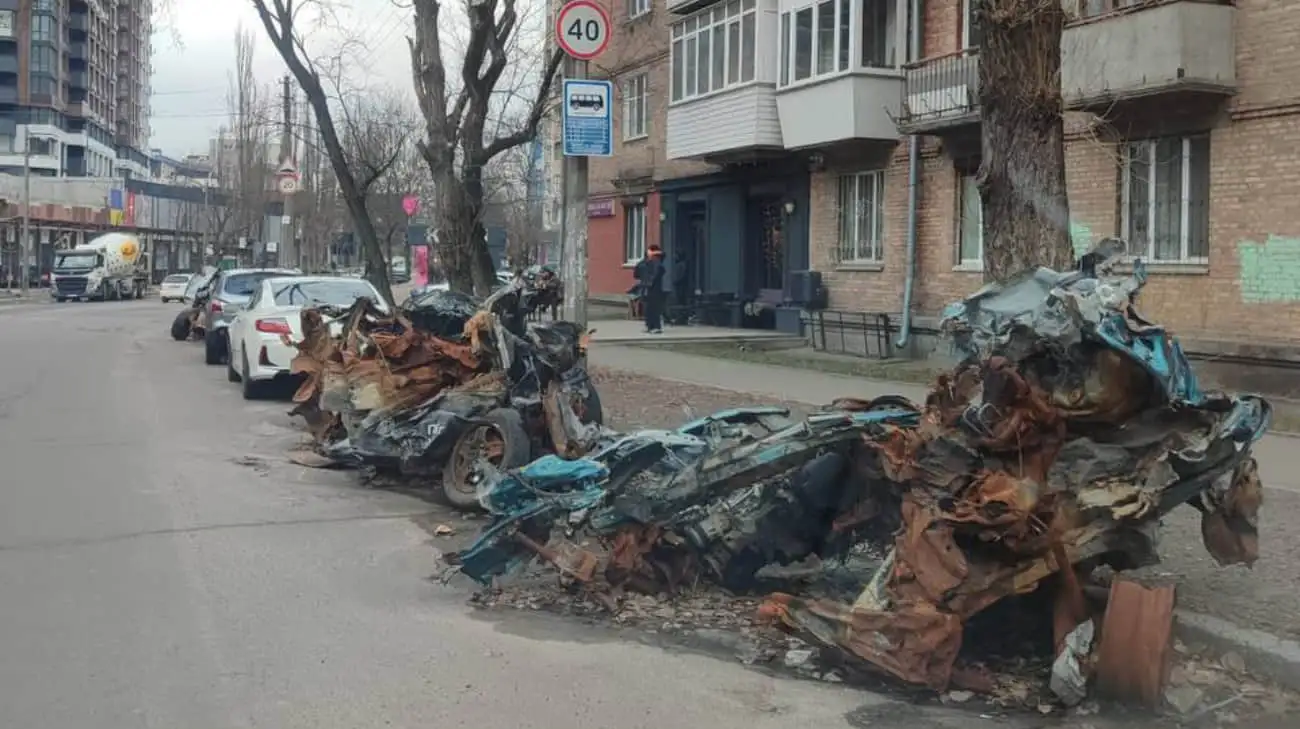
(445, 386)
(1069, 429)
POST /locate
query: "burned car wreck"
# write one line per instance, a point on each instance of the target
(1070, 426)
(445, 388)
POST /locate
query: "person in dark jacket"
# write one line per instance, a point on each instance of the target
(649, 274)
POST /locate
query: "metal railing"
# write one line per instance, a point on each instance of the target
(851, 332)
(940, 89)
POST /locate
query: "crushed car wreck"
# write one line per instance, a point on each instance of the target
(444, 387)
(1070, 426)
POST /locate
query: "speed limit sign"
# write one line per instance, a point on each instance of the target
(582, 29)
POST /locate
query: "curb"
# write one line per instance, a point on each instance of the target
(1274, 657)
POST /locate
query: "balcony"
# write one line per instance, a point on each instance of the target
(77, 50)
(77, 80)
(79, 22)
(854, 105)
(732, 124)
(1182, 47)
(8, 64)
(723, 98)
(940, 94)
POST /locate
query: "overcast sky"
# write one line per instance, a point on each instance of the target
(190, 80)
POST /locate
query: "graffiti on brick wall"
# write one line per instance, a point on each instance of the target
(1270, 271)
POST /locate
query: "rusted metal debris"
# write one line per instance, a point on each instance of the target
(1069, 429)
(1135, 650)
(428, 388)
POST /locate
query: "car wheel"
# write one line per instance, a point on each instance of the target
(250, 389)
(499, 438)
(231, 374)
(214, 348)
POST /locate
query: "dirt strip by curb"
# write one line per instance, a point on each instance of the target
(1265, 653)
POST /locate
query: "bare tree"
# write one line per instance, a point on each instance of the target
(1022, 170)
(240, 167)
(376, 129)
(280, 19)
(461, 141)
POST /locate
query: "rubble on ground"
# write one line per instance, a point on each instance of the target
(1054, 447)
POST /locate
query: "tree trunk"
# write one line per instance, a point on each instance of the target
(1022, 172)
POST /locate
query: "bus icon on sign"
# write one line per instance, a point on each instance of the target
(587, 103)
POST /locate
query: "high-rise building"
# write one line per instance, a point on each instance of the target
(74, 87)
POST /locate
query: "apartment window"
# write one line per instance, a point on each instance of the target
(46, 6)
(637, 8)
(971, 34)
(39, 84)
(862, 217)
(815, 40)
(43, 28)
(634, 232)
(1166, 198)
(634, 106)
(42, 60)
(713, 50)
(970, 223)
(879, 33)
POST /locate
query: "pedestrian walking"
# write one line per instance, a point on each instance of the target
(649, 273)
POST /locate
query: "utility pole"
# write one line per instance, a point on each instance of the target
(573, 222)
(25, 237)
(288, 250)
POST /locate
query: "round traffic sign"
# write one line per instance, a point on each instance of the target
(582, 29)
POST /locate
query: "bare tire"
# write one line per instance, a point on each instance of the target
(498, 437)
(180, 326)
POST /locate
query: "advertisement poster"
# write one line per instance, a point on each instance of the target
(419, 265)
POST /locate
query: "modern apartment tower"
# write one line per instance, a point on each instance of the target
(74, 87)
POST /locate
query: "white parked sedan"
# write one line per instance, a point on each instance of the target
(172, 288)
(258, 354)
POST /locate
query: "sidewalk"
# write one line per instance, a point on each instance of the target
(1263, 598)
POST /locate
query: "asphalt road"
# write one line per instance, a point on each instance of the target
(162, 565)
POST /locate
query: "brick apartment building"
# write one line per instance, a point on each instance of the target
(791, 150)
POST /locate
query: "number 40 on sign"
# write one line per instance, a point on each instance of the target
(582, 29)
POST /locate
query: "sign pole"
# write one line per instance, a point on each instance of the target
(574, 274)
(582, 29)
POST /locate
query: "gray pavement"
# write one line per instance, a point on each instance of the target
(1262, 598)
(163, 565)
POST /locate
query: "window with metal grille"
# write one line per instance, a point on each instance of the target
(861, 217)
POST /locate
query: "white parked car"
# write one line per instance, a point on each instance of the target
(173, 287)
(258, 353)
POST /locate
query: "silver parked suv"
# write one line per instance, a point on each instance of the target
(231, 291)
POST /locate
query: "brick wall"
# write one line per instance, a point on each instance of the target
(608, 271)
(1251, 287)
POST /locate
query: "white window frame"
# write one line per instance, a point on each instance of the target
(635, 101)
(967, 19)
(863, 246)
(1185, 197)
(964, 263)
(638, 8)
(841, 58)
(634, 232)
(684, 44)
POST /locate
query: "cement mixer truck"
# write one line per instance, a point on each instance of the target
(110, 266)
